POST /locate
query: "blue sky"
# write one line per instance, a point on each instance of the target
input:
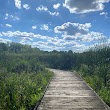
(55, 24)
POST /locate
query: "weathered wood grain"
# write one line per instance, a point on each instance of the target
(67, 91)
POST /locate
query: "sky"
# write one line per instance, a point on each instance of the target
(60, 25)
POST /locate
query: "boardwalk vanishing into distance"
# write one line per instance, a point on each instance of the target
(67, 91)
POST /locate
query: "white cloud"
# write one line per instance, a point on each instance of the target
(73, 28)
(26, 40)
(8, 25)
(11, 17)
(108, 42)
(84, 6)
(26, 6)
(18, 4)
(42, 8)
(47, 47)
(104, 13)
(17, 34)
(90, 37)
(45, 27)
(78, 32)
(6, 16)
(56, 6)
(34, 27)
(4, 40)
(50, 43)
(45, 9)
(95, 36)
(1, 34)
(54, 13)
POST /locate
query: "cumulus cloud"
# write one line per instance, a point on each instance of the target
(78, 32)
(90, 37)
(17, 34)
(56, 6)
(8, 25)
(18, 4)
(84, 6)
(26, 40)
(34, 27)
(56, 44)
(45, 9)
(26, 6)
(73, 28)
(50, 43)
(4, 40)
(20, 35)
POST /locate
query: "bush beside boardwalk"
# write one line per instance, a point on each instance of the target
(22, 91)
(99, 80)
(22, 77)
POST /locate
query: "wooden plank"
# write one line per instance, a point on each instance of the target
(67, 91)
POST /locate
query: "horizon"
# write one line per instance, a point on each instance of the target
(55, 25)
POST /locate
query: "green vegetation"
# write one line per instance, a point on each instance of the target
(96, 71)
(21, 91)
(23, 76)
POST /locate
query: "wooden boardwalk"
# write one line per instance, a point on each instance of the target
(67, 91)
